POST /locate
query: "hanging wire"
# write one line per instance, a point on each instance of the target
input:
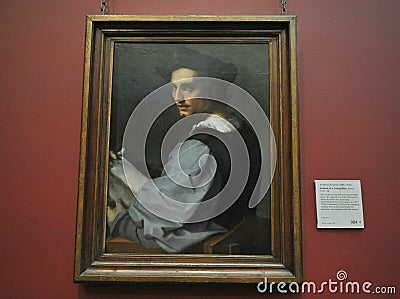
(103, 6)
(283, 7)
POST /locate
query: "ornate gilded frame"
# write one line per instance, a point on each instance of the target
(92, 262)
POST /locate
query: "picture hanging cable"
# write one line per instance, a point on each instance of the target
(103, 6)
(283, 7)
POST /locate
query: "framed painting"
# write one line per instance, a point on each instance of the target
(189, 164)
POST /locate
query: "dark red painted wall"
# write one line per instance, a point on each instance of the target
(349, 71)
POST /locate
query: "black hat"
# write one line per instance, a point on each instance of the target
(188, 58)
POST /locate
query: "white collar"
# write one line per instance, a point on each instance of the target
(217, 123)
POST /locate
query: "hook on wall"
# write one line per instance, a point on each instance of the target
(283, 7)
(103, 7)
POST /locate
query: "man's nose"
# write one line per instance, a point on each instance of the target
(177, 95)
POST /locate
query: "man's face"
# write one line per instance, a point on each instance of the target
(187, 92)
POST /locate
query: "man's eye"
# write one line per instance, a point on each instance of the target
(188, 88)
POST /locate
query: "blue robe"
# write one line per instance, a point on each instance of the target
(140, 225)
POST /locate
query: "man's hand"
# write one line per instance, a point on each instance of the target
(113, 212)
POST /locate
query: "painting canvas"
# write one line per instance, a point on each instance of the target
(137, 77)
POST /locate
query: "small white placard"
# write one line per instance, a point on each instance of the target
(339, 204)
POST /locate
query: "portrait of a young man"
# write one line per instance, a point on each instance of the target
(197, 169)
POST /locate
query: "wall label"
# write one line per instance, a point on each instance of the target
(339, 204)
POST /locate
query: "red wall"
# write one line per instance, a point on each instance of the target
(349, 71)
